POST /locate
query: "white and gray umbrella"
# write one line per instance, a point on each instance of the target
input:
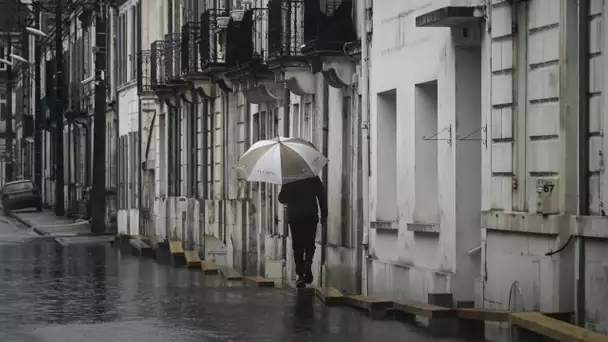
(281, 160)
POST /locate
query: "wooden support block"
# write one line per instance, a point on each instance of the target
(230, 273)
(192, 259)
(527, 325)
(482, 314)
(176, 247)
(140, 248)
(567, 317)
(425, 310)
(177, 253)
(259, 281)
(375, 308)
(441, 320)
(209, 267)
(330, 296)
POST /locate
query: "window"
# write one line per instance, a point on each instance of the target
(386, 209)
(134, 47)
(123, 51)
(19, 186)
(3, 55)
(426, 154)
(191, 142)
(3, 109)
(119, 48)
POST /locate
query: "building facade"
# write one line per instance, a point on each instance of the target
(465, 140)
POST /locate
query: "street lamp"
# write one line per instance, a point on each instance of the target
(6, 61)
(19, 58)
(35, 32)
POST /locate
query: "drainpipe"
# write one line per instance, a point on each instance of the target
(365, 137)
(204, 176)
(286, 126)
(325, 109)
(583, 163)
(225, 122)
(139, 162)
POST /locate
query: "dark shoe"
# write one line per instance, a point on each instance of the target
(300, 283)
(308, 278)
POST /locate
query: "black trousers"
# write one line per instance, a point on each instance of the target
(303, 234)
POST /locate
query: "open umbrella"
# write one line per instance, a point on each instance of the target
(281, 160)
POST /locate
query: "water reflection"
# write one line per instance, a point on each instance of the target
(304, 311)
(53, 292)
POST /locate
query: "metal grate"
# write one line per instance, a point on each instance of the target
(190, 39)
(173, 56)
(144, 72)
(212, 40)
(157, 59)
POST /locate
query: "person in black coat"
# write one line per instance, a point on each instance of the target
(303, 216)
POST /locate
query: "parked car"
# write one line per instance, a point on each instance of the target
(20, 194)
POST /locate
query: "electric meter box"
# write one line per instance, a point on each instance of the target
(547, 195)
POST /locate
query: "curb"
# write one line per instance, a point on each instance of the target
(43, 233)
(25, 223)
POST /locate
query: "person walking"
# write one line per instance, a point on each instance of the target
(303, 199)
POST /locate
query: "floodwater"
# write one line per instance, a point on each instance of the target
(93, 292)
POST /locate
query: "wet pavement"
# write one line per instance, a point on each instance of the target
(93, 292)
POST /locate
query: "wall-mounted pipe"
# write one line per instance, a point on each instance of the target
(583, 162)
(365, 139)
(325, 137)
(286, 127)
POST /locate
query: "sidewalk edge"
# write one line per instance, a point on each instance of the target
(27, 224)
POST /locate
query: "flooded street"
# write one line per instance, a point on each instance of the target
(92, 292)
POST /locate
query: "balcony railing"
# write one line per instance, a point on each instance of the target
(173, 57)
(212, 38)
(157, 59)
(191, 63)
(75, 95)
(144, 72)
(297, 25)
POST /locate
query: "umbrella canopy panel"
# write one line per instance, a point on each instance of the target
(281, 160)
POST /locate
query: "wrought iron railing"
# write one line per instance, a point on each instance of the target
(335, 28)
(173, 57)
(190, 60)
(144, 72)
(157, 70)
(75, 95)
(211, 42)
(296, 25)
(259, 28)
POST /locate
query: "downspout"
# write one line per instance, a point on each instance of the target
(225, 120)
(286, 126)
(365, 140)
(246, 212)
(325, 138)
(140, 167)
(583, 163)
(204, 176)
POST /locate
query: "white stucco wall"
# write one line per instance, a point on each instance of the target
(128, 219)
(407, 264)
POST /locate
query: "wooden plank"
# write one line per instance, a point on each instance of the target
(425, 310)
(482, 314)
(230, 273)
(374, 307)
(259, 281)
(330, 296)
(140, 248)
(192, 259)
(546, 326)
(209, 267)
(175, 247)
